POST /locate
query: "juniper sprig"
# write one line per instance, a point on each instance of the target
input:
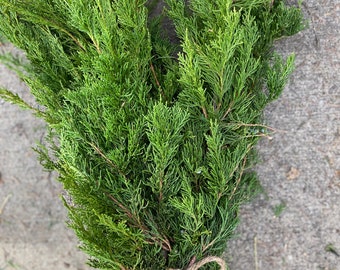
(153, 137)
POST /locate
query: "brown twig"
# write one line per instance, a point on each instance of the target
(125, 210)
(205, 112)
(156, 79)
(227, 112)
(136, 222)
(96, 44)
(160, 190)
(108, 160)
(240, 124)
(74, 39)
(164, 242)
(258, 135)
(239, 178)
(244, 156)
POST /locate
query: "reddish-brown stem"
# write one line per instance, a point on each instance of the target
(227, 112)
(156, 79)
(125, 210)
(205, 112)
(239, 179)
(164, 242)
(160, 190)
(240, 124)
(108, 161)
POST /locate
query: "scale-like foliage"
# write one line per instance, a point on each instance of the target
(153, 139)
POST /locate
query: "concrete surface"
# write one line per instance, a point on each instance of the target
(290, 227)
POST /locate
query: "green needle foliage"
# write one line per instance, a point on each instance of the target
(153, 138)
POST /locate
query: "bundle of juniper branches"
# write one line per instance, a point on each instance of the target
(153, 138)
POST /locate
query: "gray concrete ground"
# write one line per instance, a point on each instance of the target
(294, 225)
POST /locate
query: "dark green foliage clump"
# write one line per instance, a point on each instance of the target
(153, 140)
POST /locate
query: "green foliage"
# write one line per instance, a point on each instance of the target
(279, 208)
(330, 248)
(153, 140)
